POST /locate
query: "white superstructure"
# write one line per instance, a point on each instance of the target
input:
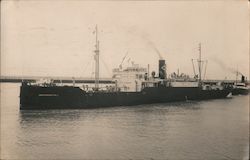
(129, 79)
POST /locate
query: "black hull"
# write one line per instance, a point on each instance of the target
(68, 97)
(240, 91)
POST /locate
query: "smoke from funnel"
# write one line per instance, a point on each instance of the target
(154, 47)
(145, 37)
(224, 67)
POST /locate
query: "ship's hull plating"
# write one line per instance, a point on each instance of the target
(65, 97)
(240, 91)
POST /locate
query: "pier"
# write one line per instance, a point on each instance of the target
(19, 79)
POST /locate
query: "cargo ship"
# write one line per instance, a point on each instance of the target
(133, 85)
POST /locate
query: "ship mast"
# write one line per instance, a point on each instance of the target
(199, 63)
(96, 60)
(236, 75)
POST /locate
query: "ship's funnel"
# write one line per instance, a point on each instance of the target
(242, 79)
(162, 69)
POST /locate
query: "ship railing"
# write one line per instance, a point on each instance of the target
(216, 86)
(99, 89)
(212, 87)
(182, 80)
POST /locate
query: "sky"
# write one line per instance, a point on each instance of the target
(55, 38)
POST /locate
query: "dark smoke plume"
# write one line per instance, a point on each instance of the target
(155, 48)
(225, 67)
(144, 36)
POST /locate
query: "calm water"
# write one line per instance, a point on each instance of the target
(216, 129)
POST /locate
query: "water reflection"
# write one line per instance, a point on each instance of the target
(39, 116)
(137, 132)
(34, 116)
(143, 127)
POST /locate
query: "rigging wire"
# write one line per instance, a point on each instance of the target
(205, 69)
(193, 67)
(92, 70)
(86, 67)
(106, 66)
